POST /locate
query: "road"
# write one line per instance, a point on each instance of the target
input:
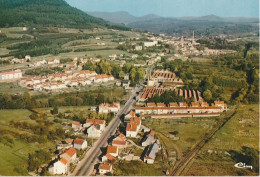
(85, 167)
(191, 154)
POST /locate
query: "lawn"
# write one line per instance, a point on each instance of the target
(14, 158)
(241, 130)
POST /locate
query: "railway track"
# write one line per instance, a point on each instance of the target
(188, 157)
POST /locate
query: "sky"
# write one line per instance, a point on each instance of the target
(173, 8)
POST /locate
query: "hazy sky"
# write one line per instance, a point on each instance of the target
(173, 8)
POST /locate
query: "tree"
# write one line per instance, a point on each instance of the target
(207, 95)
(55, 110)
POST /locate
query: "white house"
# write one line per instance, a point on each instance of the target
(133, 127)
(104, 168)
(108, 157)
(101, 123)
(59, 167)
(94, 131)
(11, 75)
(120, 141)
(106, 108)
(112, 150)
(70, 155)
(150, 44)
(76, 126)
(80, 144)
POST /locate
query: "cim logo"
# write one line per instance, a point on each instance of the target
(243, 165)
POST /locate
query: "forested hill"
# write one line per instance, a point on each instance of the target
(46, 13)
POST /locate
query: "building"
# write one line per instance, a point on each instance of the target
(108, 157)
(59, 167)
(149, 139)
(138, 47)
(195, 109)
(150, 44)
(133, 127)
(119, 141)
(112, 150)
(106, 108)
(128, 117)
(80, 144)
(151, 152)
(16, 74)
(70, 155)
(94, 131)
(76, 126)
(101, 123)
(104, 168)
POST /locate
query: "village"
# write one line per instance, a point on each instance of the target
(132, 140)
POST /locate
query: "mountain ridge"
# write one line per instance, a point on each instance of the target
(47, 13)
(210, 17)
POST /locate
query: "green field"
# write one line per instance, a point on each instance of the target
(190, 131)
(241, 130)
(14, 159)
(139, 168)
(11, 88)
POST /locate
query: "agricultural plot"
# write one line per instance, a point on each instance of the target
(216, 156)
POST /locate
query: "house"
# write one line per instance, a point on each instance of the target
(70, 155)
(59, 167)
(133, 127)
(150, 154)
(112, 150)
(119, 141)
(76, 126)
(108, 157)
(94, 131)
(150, 44)
(106, 108)
(28, 58)
(104, 168)
(11, 75)
(101, 123)
(128, 117)
(80, 144)
(138, 47)
(149, 139)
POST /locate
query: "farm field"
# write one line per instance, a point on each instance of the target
(189, 130)
(241, 130)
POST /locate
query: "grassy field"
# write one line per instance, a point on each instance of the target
(11, 88)
(190, 131)
(241, 130)
(14, 159)
(139, 168)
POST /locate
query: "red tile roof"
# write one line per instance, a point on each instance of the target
(64, 161)
(71, 151)
(79, 141)
(111, 149)
(118, 142)
(131, 126)
(95, 121)
(105, 166)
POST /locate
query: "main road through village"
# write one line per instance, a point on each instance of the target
(85, 167)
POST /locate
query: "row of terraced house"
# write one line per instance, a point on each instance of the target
(150, 91)
(64, 80)
(182, 109)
